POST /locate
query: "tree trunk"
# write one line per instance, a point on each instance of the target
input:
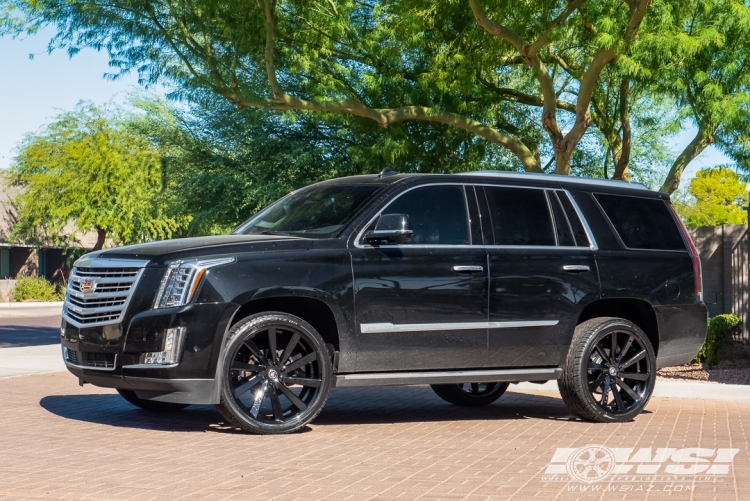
(563, 156)
(101, 236)
(622, 159)
(702, 139)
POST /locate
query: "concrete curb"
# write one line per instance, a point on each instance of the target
(40, 304)
(668, 389)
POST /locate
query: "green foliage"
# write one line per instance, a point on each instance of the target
(719, 328)
(388, 62)
(88, 168)
(714, 197)
(421, 85)
(36, 289)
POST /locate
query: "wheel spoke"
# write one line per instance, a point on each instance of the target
(596, 367)
(303, 381)
(259, 397)
(605, 392)
(613, 348)
(629, 390)
(276, 403)
(625, 349)
(254, 350)
(635, 358)
(288, 350)
(602, 353)
(299, 363)
(292, 397)
(618, 397)
(637, 376)
(244, 387)
(248, 367)
(272, 344)
(596, 383)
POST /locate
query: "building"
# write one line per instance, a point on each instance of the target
(18, 259)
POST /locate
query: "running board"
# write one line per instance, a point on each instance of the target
(445, 377)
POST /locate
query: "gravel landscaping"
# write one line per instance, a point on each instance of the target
(696, 372)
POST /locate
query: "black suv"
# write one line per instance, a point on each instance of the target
(463, 282)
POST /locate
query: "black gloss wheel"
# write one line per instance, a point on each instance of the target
(610, 371)
(277, 374)
(470, 394)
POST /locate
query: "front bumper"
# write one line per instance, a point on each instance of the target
(109, 356)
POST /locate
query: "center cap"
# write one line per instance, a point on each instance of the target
(273, 374)
(613, 371)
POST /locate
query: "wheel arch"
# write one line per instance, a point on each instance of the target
(312, 308)
(325, 318)
(638, 311)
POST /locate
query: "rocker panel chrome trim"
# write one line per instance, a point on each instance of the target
(446, 377)
(385, 327)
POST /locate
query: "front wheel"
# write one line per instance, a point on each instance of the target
(610, 370)
(276, 374)
(150, 405)
(470, 394)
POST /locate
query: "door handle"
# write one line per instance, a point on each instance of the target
(576, 268)
(468, 269)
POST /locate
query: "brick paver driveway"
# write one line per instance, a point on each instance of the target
(59, 441)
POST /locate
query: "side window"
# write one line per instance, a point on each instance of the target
(562, 226)
(520, 216)
(642, 223)
(437, 213)
(579, 233)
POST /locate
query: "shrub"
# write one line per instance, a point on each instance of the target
(719, 328)
(36, 289)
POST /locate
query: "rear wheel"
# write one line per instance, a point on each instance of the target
(276, 374)
(470, 394)
(150, 405)
(610, 370)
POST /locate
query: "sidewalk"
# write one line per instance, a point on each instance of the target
(30, 310)
(26, 360)
(668, 389)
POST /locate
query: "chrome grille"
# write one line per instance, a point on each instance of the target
(71, 356)
(99, 296)
(90, 360)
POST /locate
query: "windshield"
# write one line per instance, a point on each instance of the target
(316, 211)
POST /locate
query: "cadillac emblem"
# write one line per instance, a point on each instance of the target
(86, 285)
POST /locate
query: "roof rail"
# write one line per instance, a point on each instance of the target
(555, 177)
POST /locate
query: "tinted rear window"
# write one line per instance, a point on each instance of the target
(520, 216)
(642, 223)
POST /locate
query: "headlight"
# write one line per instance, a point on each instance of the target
(181, 281)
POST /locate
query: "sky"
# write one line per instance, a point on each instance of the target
(32, 91)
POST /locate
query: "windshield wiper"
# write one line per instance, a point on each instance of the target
(275, 232)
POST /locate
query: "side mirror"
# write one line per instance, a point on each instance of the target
(391, 228)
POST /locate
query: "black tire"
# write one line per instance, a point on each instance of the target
(470, 394)
(150, 405)
(601, 388)
(276, 374)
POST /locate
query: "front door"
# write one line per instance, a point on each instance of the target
(542, 274)
(423, 305)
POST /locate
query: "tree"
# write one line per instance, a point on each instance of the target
(87, 168)
(714, 197)
(701, 61)
(474, 67)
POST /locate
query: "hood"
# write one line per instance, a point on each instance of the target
(185, 248)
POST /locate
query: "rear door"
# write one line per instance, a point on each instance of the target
(542, 273)
(423, 305)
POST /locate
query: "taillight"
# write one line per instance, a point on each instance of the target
(693, 254)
